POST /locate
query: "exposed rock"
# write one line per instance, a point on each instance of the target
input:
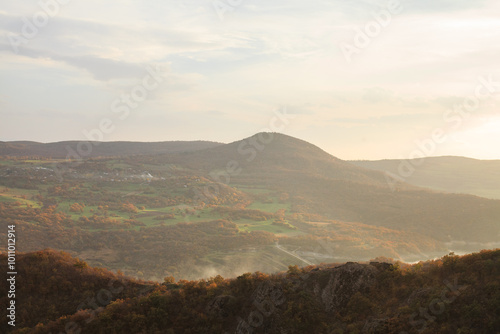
(343, 282)
(418, 294)
(269, 293)
(382, 266)
(220, 306)
(376, 326)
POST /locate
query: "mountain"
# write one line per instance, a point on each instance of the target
(320, 183)
(274, 154)
(61, 150)
(258, 204)
(449, 295)
(449, 174)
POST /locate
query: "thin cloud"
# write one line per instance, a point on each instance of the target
(232, 73)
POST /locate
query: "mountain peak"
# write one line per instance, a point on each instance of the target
(269, 154)
(279, 144)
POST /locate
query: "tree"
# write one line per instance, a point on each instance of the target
(294, 270)
(130, 208)
(169, 280)
(76, 207)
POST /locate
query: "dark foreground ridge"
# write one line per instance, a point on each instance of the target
(450, 295)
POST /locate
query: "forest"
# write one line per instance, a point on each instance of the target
(453, 294)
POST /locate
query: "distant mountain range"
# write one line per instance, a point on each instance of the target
(450, 174)
(61, 150)
(321, 183)
(269, 195)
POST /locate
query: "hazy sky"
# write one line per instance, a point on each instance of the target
(230, 64)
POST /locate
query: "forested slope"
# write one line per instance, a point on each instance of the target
(450, 295)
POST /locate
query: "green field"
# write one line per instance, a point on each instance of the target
(95, 181)
(252, 190)
(265, 225)
(15, 195)
(270, 207)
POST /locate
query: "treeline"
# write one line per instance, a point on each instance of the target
(450, 295)
(51, 284)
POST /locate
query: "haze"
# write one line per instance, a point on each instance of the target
(250, 166)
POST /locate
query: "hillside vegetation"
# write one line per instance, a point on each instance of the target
(450, 295)
(449, 174)
(51, 284)
(259, 204)
(322, 184)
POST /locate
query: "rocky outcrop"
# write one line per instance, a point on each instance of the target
(342, 283)
(419, 294)
(221, 306)
(376, 326)
(330, 289)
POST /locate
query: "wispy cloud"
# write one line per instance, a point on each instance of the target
(225, 77)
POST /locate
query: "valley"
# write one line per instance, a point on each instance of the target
(195, 212)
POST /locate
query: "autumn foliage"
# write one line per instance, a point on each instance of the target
(450, 295)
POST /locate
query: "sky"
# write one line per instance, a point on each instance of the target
(360, 79)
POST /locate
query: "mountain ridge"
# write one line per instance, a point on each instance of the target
(280, 153)
(62, 149)
(257, 190)
(453, 294)
(452, 174)
(339, 190)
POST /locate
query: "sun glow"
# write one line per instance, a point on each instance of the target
(490, 126)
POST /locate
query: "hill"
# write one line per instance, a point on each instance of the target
(51, 284)
(259, 204)
(449, 174)
(71, 149)
(320, 183)
(273, 154)
(450, 295)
